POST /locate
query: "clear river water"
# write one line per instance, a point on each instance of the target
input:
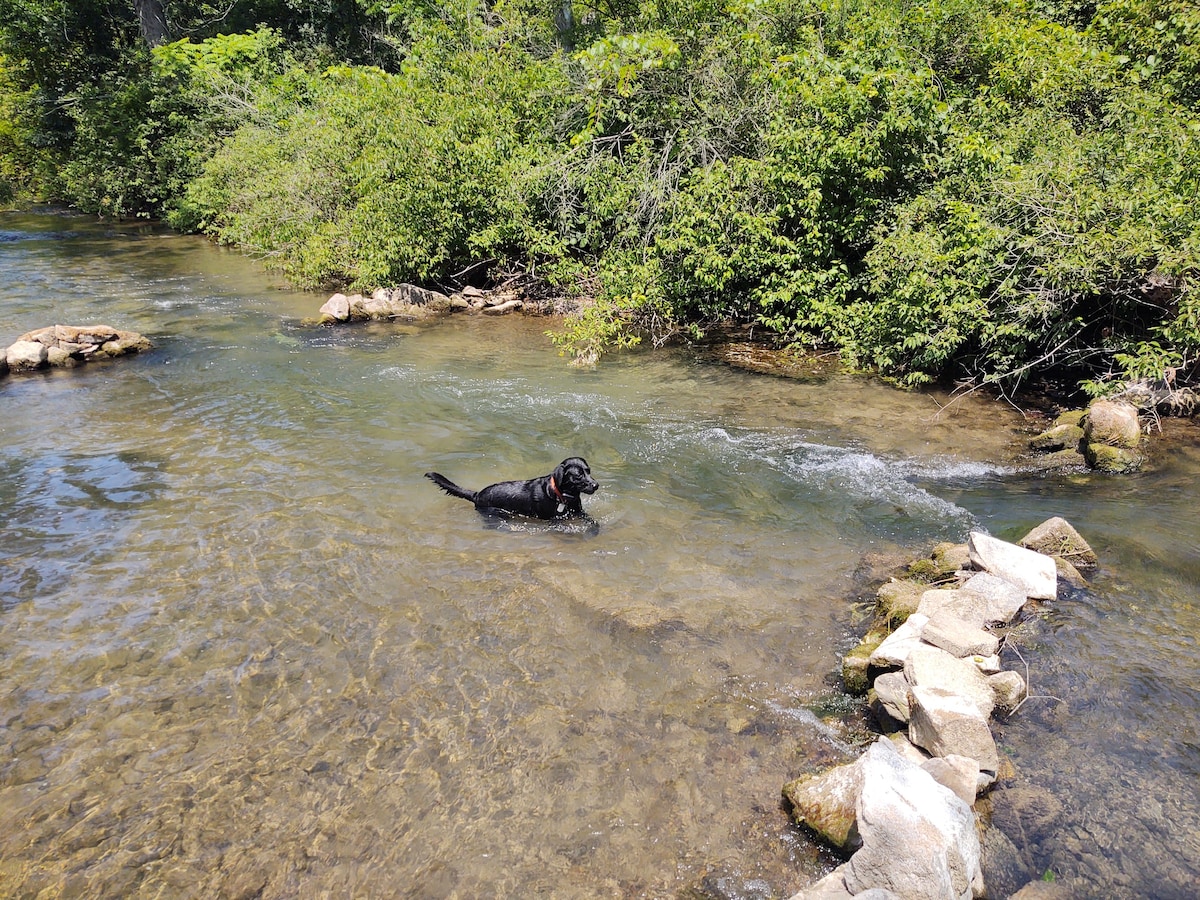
(247, 650)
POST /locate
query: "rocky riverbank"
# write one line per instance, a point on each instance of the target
(411, 303)
(930, 667)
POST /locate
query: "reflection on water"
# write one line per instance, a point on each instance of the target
(248, 649)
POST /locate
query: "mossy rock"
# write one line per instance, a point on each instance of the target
(1113, 460)
(1070, 417)
(1060, 437)
(951, 557)
(856, 663)
(943, 562)
(923, 569)
(897, 600)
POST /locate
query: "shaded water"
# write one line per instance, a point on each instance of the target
(247, 649)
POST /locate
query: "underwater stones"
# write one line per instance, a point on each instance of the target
(1030, 571)
(67, 346)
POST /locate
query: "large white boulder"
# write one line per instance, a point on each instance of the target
(1003, 598)
(931, 667)
(958, 638)
(24, 355)
(944, 722)
(918, 837)
(1032, 572)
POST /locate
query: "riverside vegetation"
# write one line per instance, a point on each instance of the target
(982, 191)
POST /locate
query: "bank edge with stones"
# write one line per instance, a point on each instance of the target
(931, 670)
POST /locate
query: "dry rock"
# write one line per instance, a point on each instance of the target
(944, 722)
(958, 638)
(932, 667)
(1114, 423)
(892, 653)
(23, 356)
(918, 838)
(1056, 537)
(1032, 572)
(958, 773)
(1004, 599)
(891, 693)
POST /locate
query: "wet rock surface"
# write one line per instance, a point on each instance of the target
(67, 346)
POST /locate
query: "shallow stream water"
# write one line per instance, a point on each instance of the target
(246, 649)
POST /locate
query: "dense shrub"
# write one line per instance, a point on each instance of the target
(951, 188)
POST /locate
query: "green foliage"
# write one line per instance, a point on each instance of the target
(940, 189)
(380, 178)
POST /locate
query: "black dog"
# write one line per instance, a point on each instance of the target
(553, 496)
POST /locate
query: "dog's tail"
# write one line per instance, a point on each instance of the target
(450, 487)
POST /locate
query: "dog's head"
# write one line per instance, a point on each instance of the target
(574, 477)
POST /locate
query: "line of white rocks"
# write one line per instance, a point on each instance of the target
(904, 809)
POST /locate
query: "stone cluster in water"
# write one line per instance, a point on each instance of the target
(67, 346)
(930, 667)
(414, 303)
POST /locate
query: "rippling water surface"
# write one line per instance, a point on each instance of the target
(246, 649)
